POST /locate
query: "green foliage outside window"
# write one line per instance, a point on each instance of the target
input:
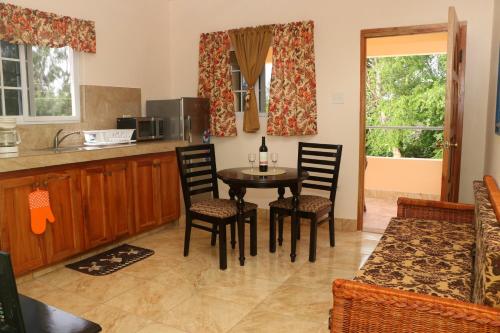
(405, 91)
(51, 81)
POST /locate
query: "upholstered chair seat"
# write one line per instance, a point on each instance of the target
(307, 203)
(219, 208)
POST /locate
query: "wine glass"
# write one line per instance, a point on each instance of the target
(251, 159)
(274, 159)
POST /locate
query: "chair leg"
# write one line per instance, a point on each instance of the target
(214, 235)
(313, 239)
(280, 229)
(272, 230)
(298, 228)
(187, 235)
(331, 226)
(253, 234)
(233, 235)
(222, 247)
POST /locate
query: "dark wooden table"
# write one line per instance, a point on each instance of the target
(42, 318)
(238, 183)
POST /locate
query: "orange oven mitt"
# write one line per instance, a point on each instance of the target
(40, 211)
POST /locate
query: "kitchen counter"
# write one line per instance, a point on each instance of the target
(32, 159)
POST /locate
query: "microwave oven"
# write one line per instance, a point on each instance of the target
(146, 128)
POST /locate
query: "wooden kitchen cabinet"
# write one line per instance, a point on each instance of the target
(63, 238)
(156, 184)
(169, 189)
(146, 193)
(16, 237)
(95, 217)
(94, 203)
(119, 199)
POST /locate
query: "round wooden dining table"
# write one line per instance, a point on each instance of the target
(239, 181)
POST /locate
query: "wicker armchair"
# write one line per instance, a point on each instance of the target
(359, 307)
(435, 210)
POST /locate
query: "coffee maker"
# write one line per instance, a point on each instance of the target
(9, 137)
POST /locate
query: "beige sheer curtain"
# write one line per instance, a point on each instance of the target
(251, 46)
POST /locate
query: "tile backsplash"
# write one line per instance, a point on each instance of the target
(99, 108)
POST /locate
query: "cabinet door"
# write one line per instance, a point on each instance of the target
(119, 198)
(146, 194)
(169, 189)
(97, 227)
(16, 236)
(63, 237)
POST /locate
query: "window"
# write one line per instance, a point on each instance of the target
(262, 87)
(38, 84)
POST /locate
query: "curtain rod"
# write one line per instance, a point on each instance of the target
(257, 26)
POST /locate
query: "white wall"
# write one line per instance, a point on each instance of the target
(132, 42)
(492, 160)
(338, 25)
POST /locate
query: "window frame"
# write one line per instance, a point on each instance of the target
(26, 117)
(260, 86)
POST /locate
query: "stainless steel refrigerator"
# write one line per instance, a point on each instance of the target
(185, 118)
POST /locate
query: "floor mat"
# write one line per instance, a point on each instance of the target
(112, 260)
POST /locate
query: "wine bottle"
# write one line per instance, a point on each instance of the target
(263, 156)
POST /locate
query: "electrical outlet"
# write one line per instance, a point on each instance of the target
(338, 98)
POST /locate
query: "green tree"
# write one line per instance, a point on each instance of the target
(405, 91)
(51, 81)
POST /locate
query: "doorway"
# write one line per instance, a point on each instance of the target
(407, 136)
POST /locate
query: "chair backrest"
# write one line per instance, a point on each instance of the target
(11, 318)
(322, 162)
(197, 170)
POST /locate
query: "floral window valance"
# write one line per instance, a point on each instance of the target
(292, 104)
(20, 25)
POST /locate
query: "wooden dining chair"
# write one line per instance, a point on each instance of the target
(322, 162)
(198, 172)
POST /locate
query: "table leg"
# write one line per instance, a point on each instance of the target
(294, 219)
(281, 195)
(232, 196)
(240, 193)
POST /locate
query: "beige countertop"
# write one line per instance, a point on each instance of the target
(32, 159)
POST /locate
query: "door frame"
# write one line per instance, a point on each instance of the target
(364, 35)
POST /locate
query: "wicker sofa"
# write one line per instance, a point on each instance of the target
(435, 269)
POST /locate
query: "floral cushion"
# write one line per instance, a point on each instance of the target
(220, 208)
(487, 260)
(423, 256)
(307, 203)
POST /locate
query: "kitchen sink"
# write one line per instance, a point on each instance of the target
(82, 148)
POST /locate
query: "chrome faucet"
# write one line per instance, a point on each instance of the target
(58, 140)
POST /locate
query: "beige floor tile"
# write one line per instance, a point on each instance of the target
(265, 321)
(159, 328)
(205, 314)
(319, 275)
(168, 292)
(35, 288)
(68, 302)
(102, 288)
(237, 288)
(114, 320)
(150, 300)
(310, 304)
(61, 277)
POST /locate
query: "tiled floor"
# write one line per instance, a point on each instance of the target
(169, 293)
(378, 213)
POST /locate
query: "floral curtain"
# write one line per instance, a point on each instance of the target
(292, 105)
(214, 82)
(20, 25)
